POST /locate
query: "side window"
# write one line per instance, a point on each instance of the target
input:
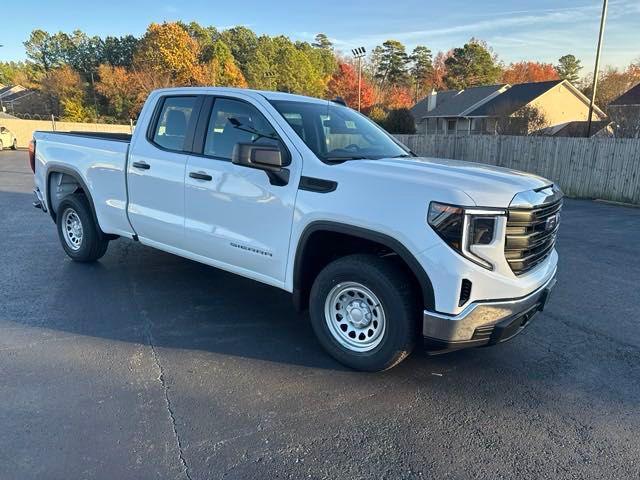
(171, 127)
(232, 122)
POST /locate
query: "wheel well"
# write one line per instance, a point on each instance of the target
(61, 185)
(320, 246)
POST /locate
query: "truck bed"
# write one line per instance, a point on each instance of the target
(98, 161)
(120, 137)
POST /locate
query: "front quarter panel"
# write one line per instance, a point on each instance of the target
(378, 203)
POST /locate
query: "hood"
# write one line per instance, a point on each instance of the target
(487, 185)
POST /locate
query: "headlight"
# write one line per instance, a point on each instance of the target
(463, 228)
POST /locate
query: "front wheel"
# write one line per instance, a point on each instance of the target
(364, 313)
(80, 236)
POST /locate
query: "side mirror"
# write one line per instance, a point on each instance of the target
(270, 158)
(265, 157)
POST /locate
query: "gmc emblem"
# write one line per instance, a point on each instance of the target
(552, 222)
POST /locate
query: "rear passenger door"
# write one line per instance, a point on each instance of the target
(235, 217)
(155, 172)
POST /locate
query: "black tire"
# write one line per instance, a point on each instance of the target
(392, 286)
(93, 243)
(1, 146)
(14, 146)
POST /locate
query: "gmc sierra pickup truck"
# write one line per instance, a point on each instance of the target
(382, 247)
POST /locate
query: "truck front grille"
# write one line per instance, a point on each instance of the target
(531, 235)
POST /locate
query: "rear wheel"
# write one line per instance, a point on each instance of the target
(363, 312)
(1, 146)
(14, 146)
(80, 236)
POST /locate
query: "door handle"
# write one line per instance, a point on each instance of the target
(200, 176)
(141, 165)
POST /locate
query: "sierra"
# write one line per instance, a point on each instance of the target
(385, 249)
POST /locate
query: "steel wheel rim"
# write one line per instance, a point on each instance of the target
(355, 317)
(72, 229)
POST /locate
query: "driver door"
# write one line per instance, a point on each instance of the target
(235, 217)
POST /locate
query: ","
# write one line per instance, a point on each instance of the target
(384, 248)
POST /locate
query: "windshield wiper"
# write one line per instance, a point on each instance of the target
(403, 155)
(344, 159)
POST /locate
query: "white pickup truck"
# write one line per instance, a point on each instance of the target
(383, 248)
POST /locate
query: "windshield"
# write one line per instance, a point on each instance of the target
(336, 133)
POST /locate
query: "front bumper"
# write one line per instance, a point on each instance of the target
(484, 322)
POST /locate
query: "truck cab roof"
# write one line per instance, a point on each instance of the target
(269, 95)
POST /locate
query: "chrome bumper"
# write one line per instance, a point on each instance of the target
(475, 324)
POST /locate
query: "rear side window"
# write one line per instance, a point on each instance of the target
(171, 126)
(233, 122)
